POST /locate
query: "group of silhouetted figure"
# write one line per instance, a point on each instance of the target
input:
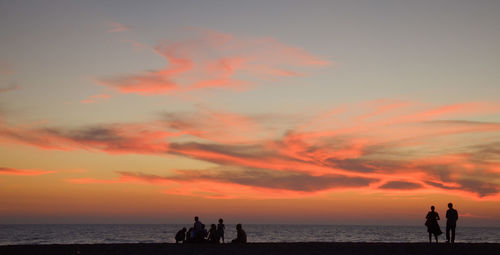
(199, 234)
(433, 226)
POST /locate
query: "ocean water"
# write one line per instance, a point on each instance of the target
(164, 233)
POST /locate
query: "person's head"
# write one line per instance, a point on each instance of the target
(238, 226)
(432, 208)
(221, 220)
(213, 226)
(203, 226)
(183, 229)
(450, 205)
(196, 218)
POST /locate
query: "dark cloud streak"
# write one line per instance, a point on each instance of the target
(294, 181)
(401, 185)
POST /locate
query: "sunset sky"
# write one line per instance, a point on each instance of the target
(324, 112)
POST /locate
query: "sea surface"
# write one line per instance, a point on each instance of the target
(164, 233)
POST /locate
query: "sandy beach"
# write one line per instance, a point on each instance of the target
(256, 248)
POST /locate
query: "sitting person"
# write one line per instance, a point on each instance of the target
(212, 234)
(204, 233)
(190, 235)
(241, 236)
(180, 236)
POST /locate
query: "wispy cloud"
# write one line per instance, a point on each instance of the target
(10, 87)
(117, 138)
(219, 126)
(394, 146)
(95, 98)
(256, 183)
(23, 172)
(211, 59)
(401, 185)
(481, 187)
(116, 27)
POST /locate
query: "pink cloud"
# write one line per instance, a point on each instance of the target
(118, 27)
(87, 101)
(210, 59)
(219, 126)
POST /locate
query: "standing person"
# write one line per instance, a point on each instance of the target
(220, 230)
(198, 230)
(451, 223)
(432, 224)
(241, 236)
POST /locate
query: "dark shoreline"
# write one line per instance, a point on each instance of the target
(254, 248)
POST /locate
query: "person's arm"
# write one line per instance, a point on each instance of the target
(437, 216)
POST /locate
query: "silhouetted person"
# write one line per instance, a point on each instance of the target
(241, 236)
(204, 232)
(197, 224)
(451, 223)
(190, 235)
(220, 230)
(432, 224)
(212, 234)
(180, 236)
(198, 234)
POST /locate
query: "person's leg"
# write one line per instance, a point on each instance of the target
(453, 233)
(448, 227)
(436, 236)
(430, 237)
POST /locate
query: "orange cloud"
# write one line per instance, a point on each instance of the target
(23, 172)
(210, 59)
(117, 138)
(247, 183)
(403, 146)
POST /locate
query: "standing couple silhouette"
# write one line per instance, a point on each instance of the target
(433, 226)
